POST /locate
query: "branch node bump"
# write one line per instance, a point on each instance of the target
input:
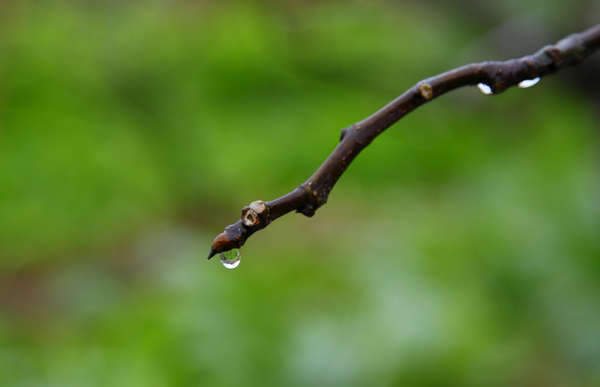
(426, 91)
(343, 133)
(555, 54)
(308, 210)
(251, 213)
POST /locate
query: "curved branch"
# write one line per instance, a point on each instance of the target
(499, 76)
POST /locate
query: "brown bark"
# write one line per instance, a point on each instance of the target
(499, 76)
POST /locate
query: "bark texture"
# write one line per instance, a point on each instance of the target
(498, 76)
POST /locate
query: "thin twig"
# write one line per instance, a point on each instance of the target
(499, 76)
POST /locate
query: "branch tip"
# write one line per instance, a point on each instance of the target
(223, 242)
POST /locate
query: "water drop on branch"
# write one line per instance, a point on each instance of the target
(485, 89)
(231, 259)
(528, 82)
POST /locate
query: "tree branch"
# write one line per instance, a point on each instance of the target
(499, 76)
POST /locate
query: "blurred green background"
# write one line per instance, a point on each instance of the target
(462, 248)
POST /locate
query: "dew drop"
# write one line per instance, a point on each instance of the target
(528, 82)
(231, 259)
(485, 89)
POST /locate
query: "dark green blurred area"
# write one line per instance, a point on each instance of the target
(462, 248)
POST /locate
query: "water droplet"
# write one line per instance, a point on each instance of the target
(231, 259)
(528, 82)
(485, 89)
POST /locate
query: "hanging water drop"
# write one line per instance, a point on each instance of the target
(231, 259)
(528, 82)
(485, 89)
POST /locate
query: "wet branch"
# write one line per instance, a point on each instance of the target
(499, 76)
